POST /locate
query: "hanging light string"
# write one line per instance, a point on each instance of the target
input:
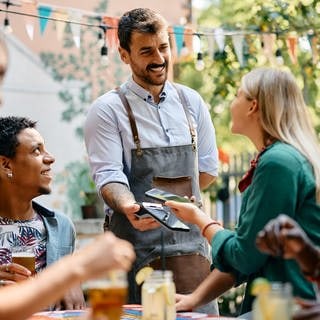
(187, 32)
(58, 19)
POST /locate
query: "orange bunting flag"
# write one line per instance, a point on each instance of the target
(112, 32)
(292, 44)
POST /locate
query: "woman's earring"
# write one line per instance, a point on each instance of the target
(9, 175)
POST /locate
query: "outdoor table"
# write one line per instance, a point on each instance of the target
(130, 312)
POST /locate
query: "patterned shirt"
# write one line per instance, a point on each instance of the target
(23, 233)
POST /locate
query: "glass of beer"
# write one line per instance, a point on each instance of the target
(25, 256)
(107, 295)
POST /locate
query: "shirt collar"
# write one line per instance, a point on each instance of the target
(143, 93)
(42, 210)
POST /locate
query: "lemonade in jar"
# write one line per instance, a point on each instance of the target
(158, 296)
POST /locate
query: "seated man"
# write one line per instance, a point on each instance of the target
(25, 173)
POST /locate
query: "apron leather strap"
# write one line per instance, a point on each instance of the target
(133, 125)
(131, 120)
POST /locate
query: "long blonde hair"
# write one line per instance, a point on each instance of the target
(283, 113)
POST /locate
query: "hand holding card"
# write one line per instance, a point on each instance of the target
(162, 214)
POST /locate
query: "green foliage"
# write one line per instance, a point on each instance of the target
(78, 186)
(219, 81)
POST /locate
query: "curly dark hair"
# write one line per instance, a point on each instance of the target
(10, 127)
(141, 20)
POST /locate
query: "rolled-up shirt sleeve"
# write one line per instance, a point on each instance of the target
(207, 147)
(103, 144)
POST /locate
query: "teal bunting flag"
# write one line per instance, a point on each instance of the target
(179, 35)
(44, 13)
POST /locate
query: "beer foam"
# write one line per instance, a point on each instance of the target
(23, 254)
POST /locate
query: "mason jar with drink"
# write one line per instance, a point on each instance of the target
(158, 296)
(107, 295)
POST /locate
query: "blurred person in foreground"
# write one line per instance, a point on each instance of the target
(21, 299)
(152, 133)
(284, 177)
(283, 237)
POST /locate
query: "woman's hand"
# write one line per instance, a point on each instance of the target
(309, 310)
(188, 212)
(184, 302)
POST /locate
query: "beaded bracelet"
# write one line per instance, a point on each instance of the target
(208, 225)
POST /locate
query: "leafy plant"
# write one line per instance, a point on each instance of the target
(78, 186)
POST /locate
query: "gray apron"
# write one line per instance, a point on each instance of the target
(148, 166)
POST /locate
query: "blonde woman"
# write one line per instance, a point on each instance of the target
(284, 178)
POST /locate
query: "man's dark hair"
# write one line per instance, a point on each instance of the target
(141, 20)
(10, 127)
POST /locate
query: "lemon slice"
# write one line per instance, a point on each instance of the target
(169, 293)
(260, 286)
(143, 274)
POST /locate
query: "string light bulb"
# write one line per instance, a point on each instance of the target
(100, 39)
(104, 55)
(6, 23)
(102, 35)
(184, 50)
(6, 26)
(279, 57)
(199, 65)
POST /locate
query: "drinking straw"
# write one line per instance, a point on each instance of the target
(163, 258)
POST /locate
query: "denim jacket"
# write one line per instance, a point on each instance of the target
(60, 233)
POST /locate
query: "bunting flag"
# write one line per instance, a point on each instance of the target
(30, 9)
(179, 37)
(188, 43)
(304, 44)
(75, 16)
(112, 32)
(292, 44)
(268, 44)
(60, 25)
(45, 13)
(237, 41)
(313, 40)
(196, 43)
(172, 42)
(219, 38)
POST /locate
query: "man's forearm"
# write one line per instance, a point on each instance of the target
(116, 195)
(205, 180)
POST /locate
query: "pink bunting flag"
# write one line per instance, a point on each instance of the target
(60, 25)
(268, 41)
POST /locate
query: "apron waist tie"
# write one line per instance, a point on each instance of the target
(188, 270)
